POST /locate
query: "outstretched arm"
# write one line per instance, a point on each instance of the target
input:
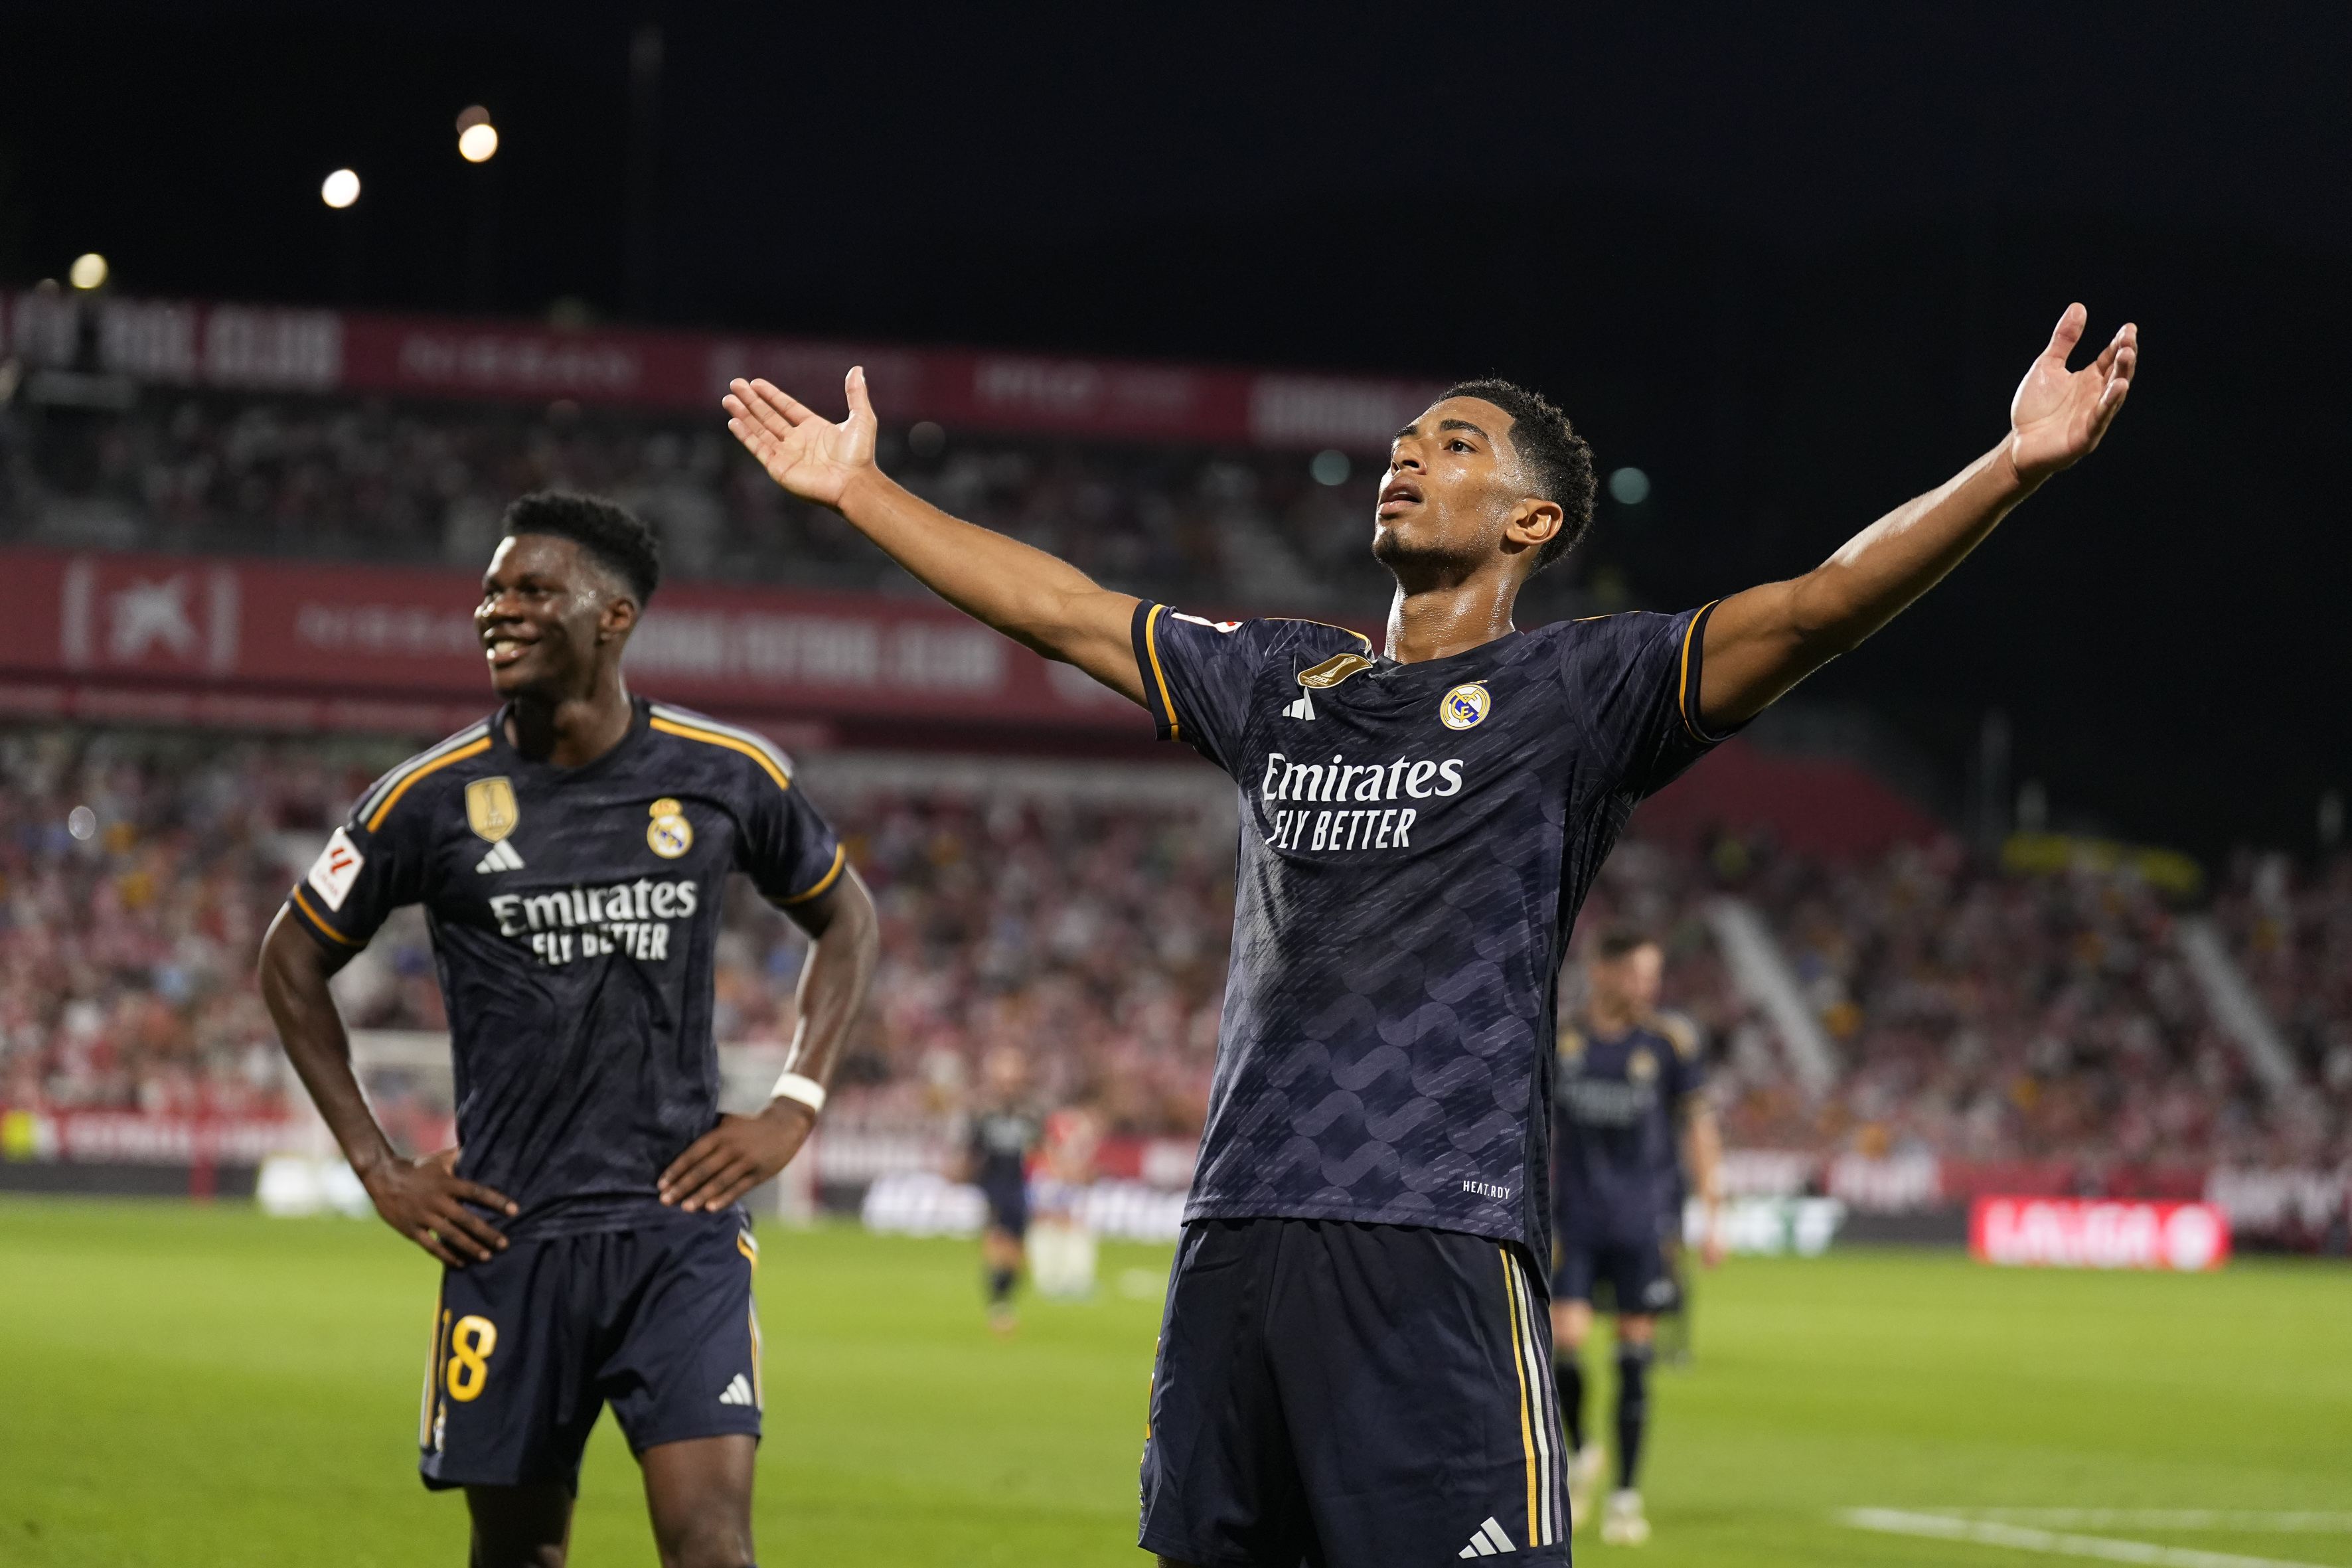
(1763, 642)
(742, 1151)
(424, 1199)
(1038, 601)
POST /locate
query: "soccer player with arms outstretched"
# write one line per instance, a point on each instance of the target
(572, 852)
(1353, 1365)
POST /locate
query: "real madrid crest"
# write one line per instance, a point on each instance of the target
(1641, 1067)
(1465, 706)
(490, 809)
(669, 835)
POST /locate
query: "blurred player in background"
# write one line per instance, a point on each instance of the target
(1005, 1129)
(1357, 1291)
(572, 852)
(1627, 1091)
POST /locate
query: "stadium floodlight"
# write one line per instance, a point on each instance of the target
(88, 271)
(477, 139)
(1629, 487)
(340, 189)
(1330, 467)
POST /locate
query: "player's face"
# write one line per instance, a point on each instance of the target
(546, 617)
(1632, 982)
(1455, 496)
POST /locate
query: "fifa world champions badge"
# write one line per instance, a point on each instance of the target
(1465, 706)
(490, 809)
(669, 835)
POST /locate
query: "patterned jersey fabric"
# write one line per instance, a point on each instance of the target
(575, 915)
(1415, 841)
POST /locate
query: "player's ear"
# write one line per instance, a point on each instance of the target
(618, 619)
(1534, 523)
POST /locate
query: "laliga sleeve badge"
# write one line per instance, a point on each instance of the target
(669, 835)
(1465, 706)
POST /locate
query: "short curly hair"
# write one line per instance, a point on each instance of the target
(1557, 463)
(617, 537)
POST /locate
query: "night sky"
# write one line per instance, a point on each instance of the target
(1788, 259)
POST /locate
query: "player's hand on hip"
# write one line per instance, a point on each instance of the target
(426, 1200)
(2059, 416)
(811, 456)
(735, 1156)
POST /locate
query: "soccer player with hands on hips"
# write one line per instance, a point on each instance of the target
(573, 852)
(1354, 1365)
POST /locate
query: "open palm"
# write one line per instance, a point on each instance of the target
(2059, 414)
(810, 455)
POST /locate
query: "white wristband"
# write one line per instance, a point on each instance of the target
(793, 1086)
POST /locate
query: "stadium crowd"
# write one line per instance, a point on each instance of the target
(425, 483)
(1977, 1015)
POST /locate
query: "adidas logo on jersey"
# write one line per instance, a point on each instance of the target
(501, 858)
(1488, 1541)
(739, 1392)
(1302, 709)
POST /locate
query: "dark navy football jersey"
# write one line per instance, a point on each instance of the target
(1002, 1138)
(1616, 1104)
(574, 915)
(1415, 841)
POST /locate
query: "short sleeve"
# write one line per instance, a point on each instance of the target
(372, 865)
(1633, 682)
(788, 851)
(1197, 676)
(1686, 1075)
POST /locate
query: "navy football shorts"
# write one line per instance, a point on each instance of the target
(656, 1322)
(1636, 1272)
(1008, 1207)
(1351, 1396)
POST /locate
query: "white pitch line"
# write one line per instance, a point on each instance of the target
(2306, 1521)
(1991, 1532)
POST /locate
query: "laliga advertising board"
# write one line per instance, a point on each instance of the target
(2098, 1233)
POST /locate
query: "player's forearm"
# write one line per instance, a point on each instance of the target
(1705, 1151)
(310, 1027)
(1037, 600)
(1764, 641)
(835, 982)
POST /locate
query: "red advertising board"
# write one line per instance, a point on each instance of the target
(299, 645)
(179, 343)
(2098, 1233)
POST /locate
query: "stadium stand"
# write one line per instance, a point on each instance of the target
(1977, 1014)
(416, 483)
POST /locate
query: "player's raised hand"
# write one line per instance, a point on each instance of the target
(735, 1156)
(2059, 414)
(424, 1199)
(810, 455)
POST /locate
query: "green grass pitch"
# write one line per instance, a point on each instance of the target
(190, 1386)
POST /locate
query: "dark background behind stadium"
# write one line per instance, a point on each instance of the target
(1789, 261)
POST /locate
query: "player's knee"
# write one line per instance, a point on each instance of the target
(704, 1545)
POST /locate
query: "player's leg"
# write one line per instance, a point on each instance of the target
(1571, 1325)
(1640, 1277)
(1000, 1257)
(682, 1375)
(507, 1409)
(700, 1495)
(520, 1527)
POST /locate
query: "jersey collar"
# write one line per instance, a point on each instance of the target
(640, 716)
